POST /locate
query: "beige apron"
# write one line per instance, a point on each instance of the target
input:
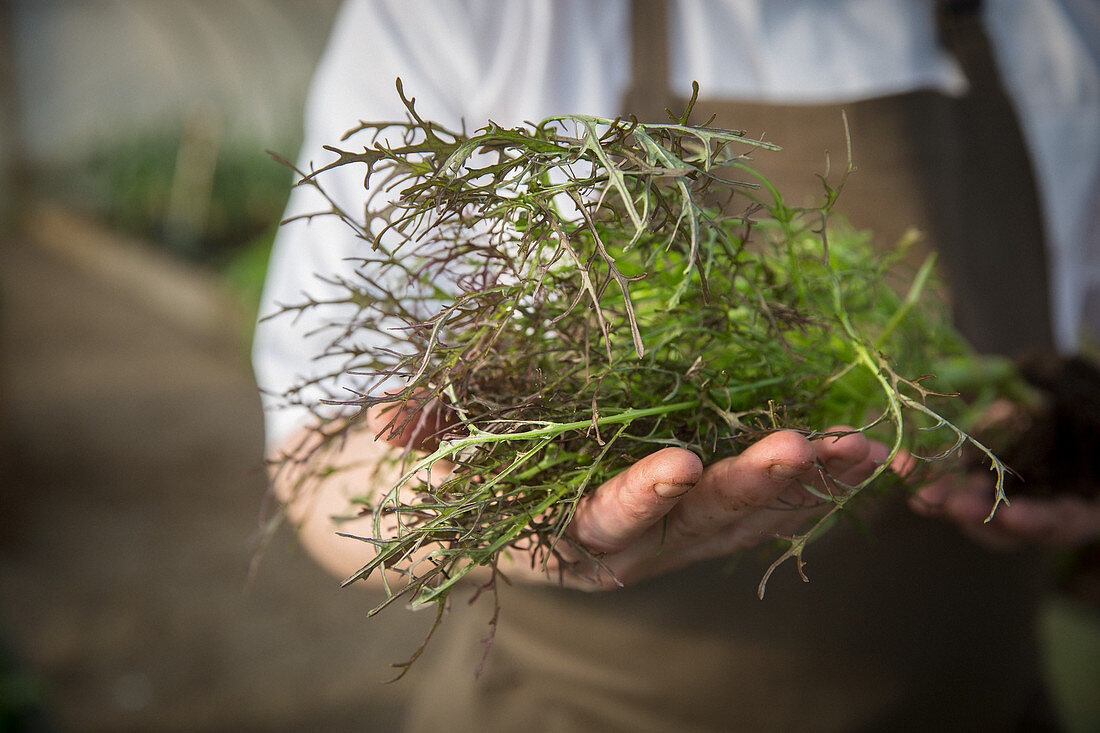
(907, 627)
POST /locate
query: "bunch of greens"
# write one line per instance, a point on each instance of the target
(578, 293)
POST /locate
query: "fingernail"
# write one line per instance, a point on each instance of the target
(786, 471)
(671, 491)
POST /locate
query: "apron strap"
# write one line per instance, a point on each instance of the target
(648, 94)
(986, 191)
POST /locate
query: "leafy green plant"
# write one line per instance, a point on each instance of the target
(577, 293)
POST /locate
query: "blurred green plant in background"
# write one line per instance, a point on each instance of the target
(132, 187)
(221, 214)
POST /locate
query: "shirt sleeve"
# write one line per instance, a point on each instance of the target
(465, 62)
(294, 358)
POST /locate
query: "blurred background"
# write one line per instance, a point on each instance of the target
(138, 206)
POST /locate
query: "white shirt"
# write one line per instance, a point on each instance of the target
(467, 61)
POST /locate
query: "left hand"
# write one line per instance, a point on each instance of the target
(1065, 521)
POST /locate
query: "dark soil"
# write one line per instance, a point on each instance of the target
(1055, 446)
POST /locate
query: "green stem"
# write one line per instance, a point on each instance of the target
(911, 299)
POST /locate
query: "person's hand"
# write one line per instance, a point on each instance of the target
(966, 499)
(668, 510)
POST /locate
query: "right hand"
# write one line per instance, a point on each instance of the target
(668, 510)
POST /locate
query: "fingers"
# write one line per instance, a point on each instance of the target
(853, 457)
(731, 504)
(734, 488)
(621, 510)
(623, 519)
(839, 454)
(1065, 521)
(966, 499)
(849, 458)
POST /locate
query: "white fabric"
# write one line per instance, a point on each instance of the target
(516, 60)
(808, 51)
(1048, 52)
(463, 60)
